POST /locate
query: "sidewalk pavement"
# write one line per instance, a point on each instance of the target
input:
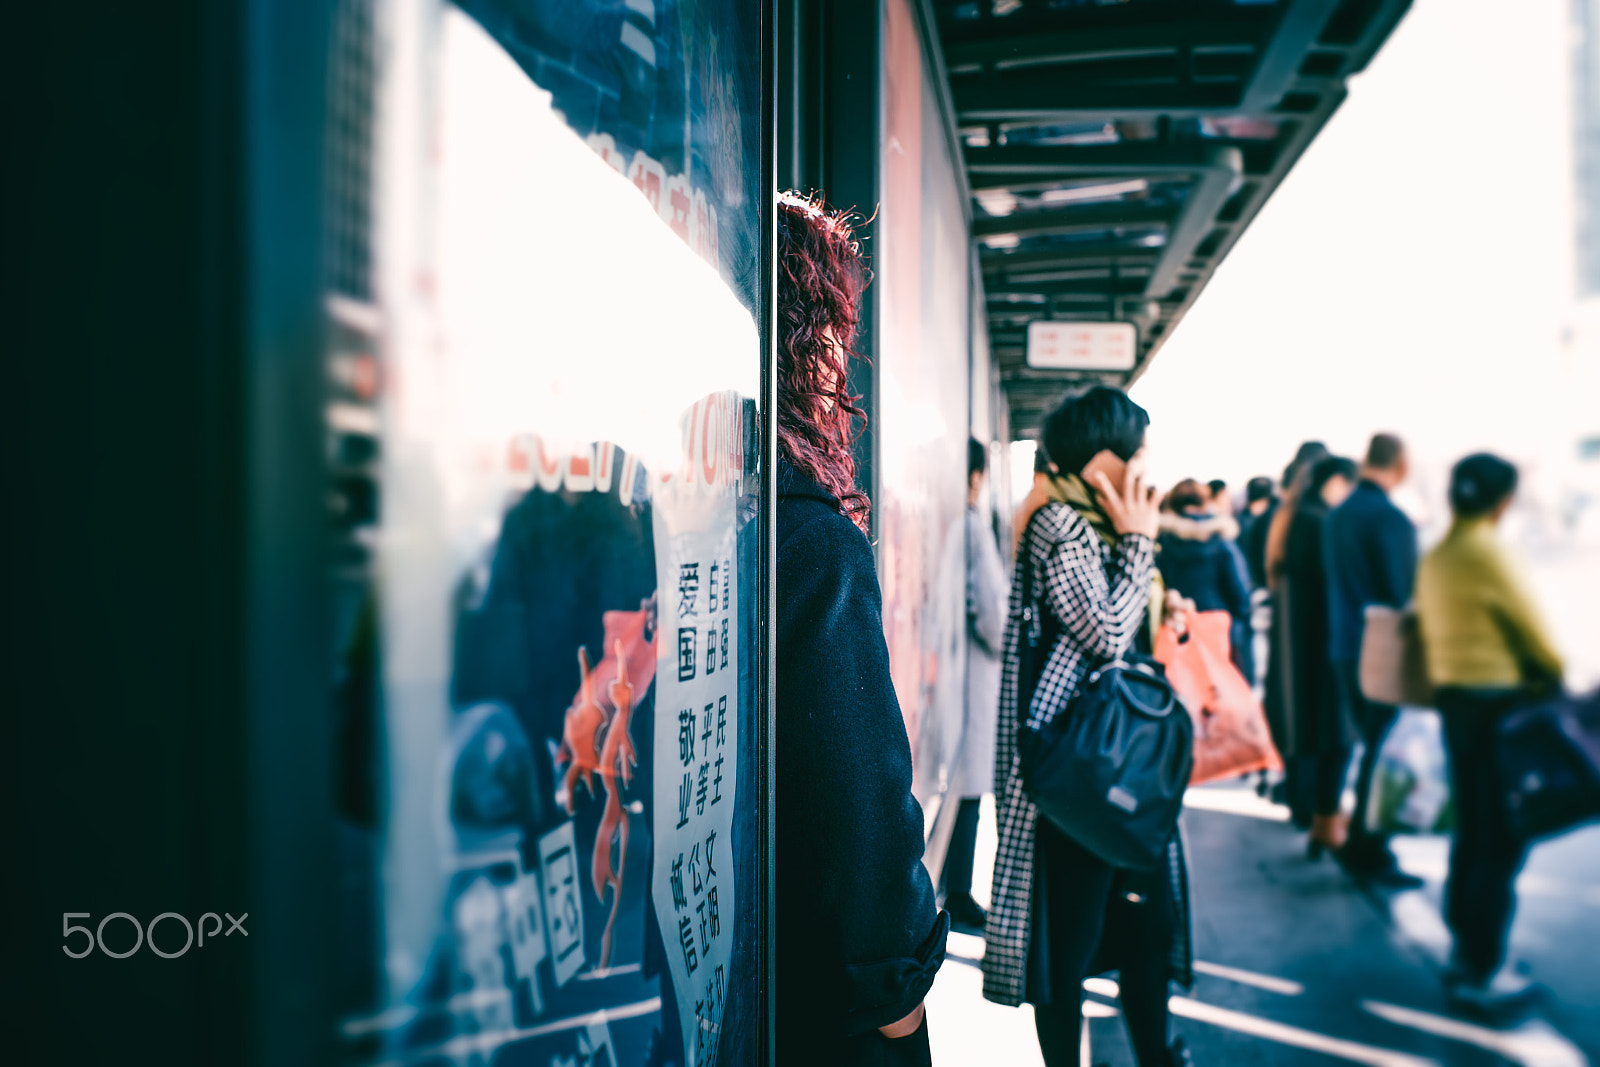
(1297, 966)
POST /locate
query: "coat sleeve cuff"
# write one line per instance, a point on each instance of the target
(885, 991)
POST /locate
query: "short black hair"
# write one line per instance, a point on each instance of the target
(1384, 451)
(1326, 470)
(977, 457)
(1217, 485)
(1258, 488)
(1186, 494)
(1041, 459)
(1084, 426)
(1480, 483)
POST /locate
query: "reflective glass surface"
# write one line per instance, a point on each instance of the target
(923, 370)
(547, 657)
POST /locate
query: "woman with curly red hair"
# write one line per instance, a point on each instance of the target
(858, 934)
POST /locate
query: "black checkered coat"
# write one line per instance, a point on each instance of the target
(1101, 594)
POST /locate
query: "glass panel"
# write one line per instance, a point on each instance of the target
(549, 648)
(923, 370)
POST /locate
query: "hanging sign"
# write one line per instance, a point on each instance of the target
(1082, 345)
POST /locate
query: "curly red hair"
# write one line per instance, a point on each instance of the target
(821, 277)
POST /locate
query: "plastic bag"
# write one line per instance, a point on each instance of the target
(1411, 782)
(1230, 729)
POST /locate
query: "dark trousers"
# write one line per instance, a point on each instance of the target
(1327, 781)
(957, 878)
(1485, 855)
(1241, 648)
(1372, 723)
(1315, 784)
(1086, 904)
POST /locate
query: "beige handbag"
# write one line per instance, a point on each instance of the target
(1393, 669)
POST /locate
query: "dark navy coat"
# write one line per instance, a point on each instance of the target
(858, 934)
(1371, 552)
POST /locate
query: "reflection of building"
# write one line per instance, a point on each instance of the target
(1580, 369)
(1586, 148)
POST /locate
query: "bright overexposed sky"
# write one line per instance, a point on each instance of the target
(1413, 272)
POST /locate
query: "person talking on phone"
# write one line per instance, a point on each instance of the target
(1058, 912)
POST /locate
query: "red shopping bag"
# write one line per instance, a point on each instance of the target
(1230, 729)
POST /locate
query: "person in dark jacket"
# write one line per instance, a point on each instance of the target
(1198, 558)
(858, 936)
(1372, 559)
(1260, 503)
(1322, 734)
(1060, 913)
(1277, 699)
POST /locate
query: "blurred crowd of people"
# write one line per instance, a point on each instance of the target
(1108, 573)
(1295, 562)
(1317, 548)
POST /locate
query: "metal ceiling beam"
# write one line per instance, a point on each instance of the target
(1215, 181)
(1106, 287)
(1019, 44)
(1030, 281)
(999, 99)
(1083, 219)
(999, 264)
(999, 102)
(1297, 31)
(1212, 188)
(1014, 166)
(1038, 71)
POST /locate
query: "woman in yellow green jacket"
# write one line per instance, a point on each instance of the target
(1488, 651)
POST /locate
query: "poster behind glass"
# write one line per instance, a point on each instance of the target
(556, 649)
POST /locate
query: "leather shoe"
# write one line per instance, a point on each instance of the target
(1392, 878)
(1375, 866)
(1499, 997)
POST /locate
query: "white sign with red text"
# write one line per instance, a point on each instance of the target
(696, 753)
(1082, 345)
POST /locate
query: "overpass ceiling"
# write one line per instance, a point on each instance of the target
(1116, 151)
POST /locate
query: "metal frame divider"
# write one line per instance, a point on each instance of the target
(767, 729)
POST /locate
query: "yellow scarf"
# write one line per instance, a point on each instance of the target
(1073, 491)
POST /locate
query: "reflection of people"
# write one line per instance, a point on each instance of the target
(1322, 733)
(1372, 559)
(858, 936)
(974, 773)
(1060, 913)
(1200, 560)
(1487, 651)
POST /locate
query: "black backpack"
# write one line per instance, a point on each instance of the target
(1109, 769)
